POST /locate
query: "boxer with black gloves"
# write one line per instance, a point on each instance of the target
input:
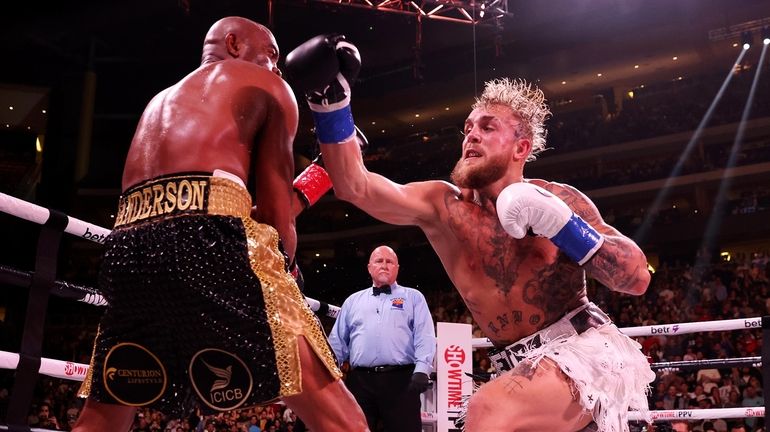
(213, 250)
(326, 66)
(562, 364)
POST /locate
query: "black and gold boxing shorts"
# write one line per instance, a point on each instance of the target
(202, 312)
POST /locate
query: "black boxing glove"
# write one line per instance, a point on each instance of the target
(324, 68)
(418, 383)
(313, 182)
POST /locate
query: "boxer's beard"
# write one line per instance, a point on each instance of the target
(478, 176)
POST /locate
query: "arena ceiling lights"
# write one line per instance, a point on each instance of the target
(461, 11)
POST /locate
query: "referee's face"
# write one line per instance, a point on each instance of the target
(383, 266)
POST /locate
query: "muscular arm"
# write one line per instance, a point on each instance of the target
(619, 264)
(274, 166)
(390, 202)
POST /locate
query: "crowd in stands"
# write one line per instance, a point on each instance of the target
(725, 289)
(666, 109)
(706, 289)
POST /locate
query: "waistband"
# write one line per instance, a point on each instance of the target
(573, 323)
(384, 368)
(181, 194)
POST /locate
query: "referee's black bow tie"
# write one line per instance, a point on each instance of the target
(385, 289)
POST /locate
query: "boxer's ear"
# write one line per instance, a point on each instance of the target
(522, 147)
(231, 44)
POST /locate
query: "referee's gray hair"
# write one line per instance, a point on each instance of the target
(527, 103)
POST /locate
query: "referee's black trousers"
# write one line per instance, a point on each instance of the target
(385, 396)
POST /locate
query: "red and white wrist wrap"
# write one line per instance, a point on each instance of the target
(312, 184)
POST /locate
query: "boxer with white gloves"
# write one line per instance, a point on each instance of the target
(561, 362)
(523, 206)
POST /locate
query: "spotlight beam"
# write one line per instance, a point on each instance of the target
(720, 202)
(641, 234)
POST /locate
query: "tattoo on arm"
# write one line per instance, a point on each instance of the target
(616, 266)
(619, 263)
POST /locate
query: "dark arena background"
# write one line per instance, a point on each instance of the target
(661, 115)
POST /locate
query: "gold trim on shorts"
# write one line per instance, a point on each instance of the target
(85, 386)
(288, 314)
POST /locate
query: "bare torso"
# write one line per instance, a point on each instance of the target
(207, 121)
(230, 115)
(511, 287)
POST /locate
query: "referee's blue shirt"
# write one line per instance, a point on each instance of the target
(388, 329)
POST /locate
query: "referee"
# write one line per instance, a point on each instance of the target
(386, 334)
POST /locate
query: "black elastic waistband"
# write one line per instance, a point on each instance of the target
(384, 368)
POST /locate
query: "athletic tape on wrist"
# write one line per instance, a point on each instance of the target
(312, 184)
(578, 240)
(334, 127)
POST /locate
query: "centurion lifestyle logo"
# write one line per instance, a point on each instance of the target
(221, 379)
(133, 375)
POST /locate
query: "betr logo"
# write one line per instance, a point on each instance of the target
(88, 235)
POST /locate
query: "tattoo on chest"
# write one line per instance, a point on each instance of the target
(547, 289)
(497, 253)
(552, 288)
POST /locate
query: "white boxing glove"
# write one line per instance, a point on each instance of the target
(521, 206)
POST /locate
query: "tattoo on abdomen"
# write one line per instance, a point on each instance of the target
(504, 320)
(552, 289)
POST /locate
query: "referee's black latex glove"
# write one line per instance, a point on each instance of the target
(419, 382)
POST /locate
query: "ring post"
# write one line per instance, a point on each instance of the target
(454, 356)
(32, 338)
(766, 359)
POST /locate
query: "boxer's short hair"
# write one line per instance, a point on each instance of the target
(527, 103)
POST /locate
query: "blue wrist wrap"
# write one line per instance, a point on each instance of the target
(578, 240)
(334, 127)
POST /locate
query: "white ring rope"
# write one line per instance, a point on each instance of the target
(50, 367)
(35, 213)
(3, 427)
(671, 329)
(700, 414)
(77, 371)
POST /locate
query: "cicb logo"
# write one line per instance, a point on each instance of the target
(752, 324)
(88, 235)
(221, 379)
